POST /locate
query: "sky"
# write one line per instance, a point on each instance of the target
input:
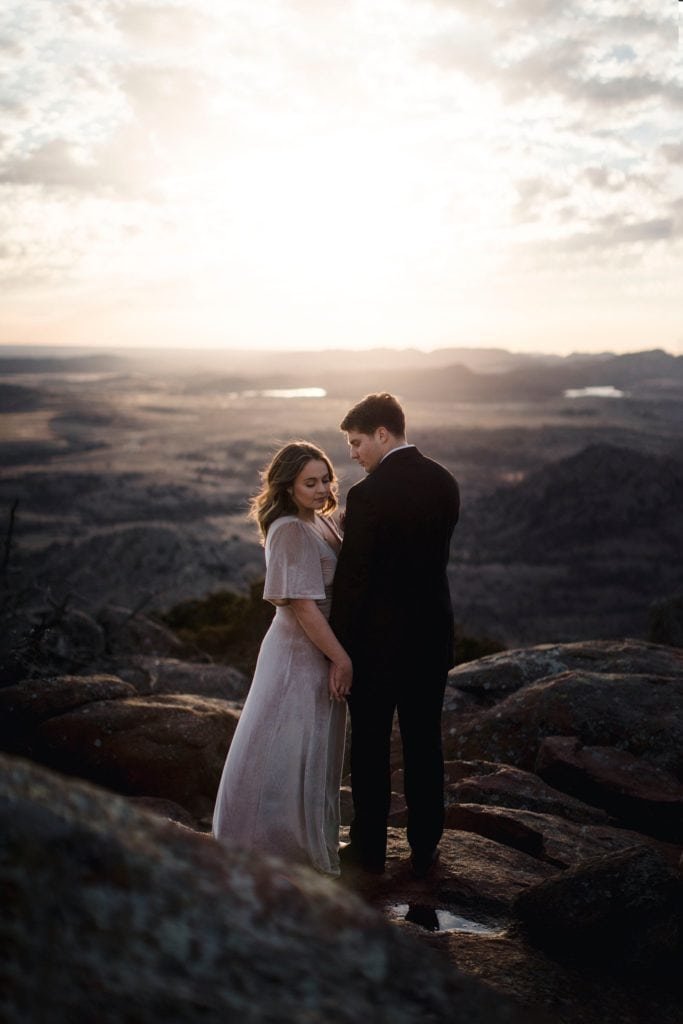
(302, 174)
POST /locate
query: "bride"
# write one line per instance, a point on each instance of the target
(279, 792)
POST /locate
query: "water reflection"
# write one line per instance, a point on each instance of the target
(604, 391)
(283, 393)
(437, 919)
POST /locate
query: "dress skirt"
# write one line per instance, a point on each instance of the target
(279, 792)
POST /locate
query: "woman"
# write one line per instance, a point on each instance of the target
(280, 787)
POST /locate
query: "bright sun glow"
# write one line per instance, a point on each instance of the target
(298, 174)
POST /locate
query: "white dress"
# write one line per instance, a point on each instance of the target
(279, 792)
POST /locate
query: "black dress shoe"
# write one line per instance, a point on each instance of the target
(422, 863)
(351, 859)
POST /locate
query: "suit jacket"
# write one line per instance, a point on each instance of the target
(391, 606)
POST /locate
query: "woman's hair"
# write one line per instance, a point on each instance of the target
(374, 411)
(274, 499)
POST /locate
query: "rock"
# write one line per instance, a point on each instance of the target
(497, 675)
(75, 640)
(624, 908)
(151, 674)
(138, 920)
(165, 809)
(639, 794)
(471, 881)
(642, 714)
(454, 771)
(511, 787)
(129, 632)
(171, 746)
(570, 993)
(552, 839)
(476, 873)
(26, 704)
(497, 825)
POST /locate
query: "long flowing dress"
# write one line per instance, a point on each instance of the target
(279, 792)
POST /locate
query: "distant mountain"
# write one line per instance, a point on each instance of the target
(454, 374)
(601, 499)
(104, 363)
(535, 381)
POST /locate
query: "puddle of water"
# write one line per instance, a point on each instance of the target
(435, 919)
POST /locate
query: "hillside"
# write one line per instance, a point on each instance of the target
(580, 548)
(603, 495)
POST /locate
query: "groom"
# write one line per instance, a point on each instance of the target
(391, 610)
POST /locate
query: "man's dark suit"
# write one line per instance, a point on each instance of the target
(391, 610)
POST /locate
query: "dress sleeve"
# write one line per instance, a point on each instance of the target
(293, 567)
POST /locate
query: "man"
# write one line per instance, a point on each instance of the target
(391, 610)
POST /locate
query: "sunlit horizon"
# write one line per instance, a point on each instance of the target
(300, 176)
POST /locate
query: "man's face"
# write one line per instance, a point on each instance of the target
(365, 449)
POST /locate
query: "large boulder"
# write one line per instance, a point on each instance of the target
(552, 839)
(624, 908)
(504, 786)
(130, 632)
(131, 920)
(32, 701)
(642, 714)
(480, 874)
(152, 674)
(494, 677)
(171, 746)
(74, 640)
(639, 794)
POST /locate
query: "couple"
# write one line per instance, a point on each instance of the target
(366, 619)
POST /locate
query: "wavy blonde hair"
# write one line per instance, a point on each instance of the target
(274, 499)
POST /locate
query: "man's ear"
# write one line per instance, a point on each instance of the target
(381, 434)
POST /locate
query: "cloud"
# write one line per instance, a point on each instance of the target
(166, 25)
(54, 163)
(672, 152)
(539, 49)
(373, 155)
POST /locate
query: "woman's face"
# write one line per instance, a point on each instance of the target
(311, 488)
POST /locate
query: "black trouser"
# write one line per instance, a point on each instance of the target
(418, 697)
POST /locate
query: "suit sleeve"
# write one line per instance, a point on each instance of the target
(352, 575)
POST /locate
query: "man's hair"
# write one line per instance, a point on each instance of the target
(374, 411)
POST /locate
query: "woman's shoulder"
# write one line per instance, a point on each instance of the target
(283, 519)
(286, 525)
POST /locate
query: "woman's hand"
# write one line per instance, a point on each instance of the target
(339, 679)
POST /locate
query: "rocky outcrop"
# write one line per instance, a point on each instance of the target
(503, 786)
(552, 839)
(153, 674)
(171, 746)
(129, 632)
(637, 793)
(25, 705)
(491, 679)
(115, 916)
(624, 908)
(642, 714)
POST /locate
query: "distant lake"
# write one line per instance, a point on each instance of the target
(607, 391)
(283, 393)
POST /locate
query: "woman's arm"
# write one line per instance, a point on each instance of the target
(317, 629)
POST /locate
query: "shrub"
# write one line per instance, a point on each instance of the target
(226, 625)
